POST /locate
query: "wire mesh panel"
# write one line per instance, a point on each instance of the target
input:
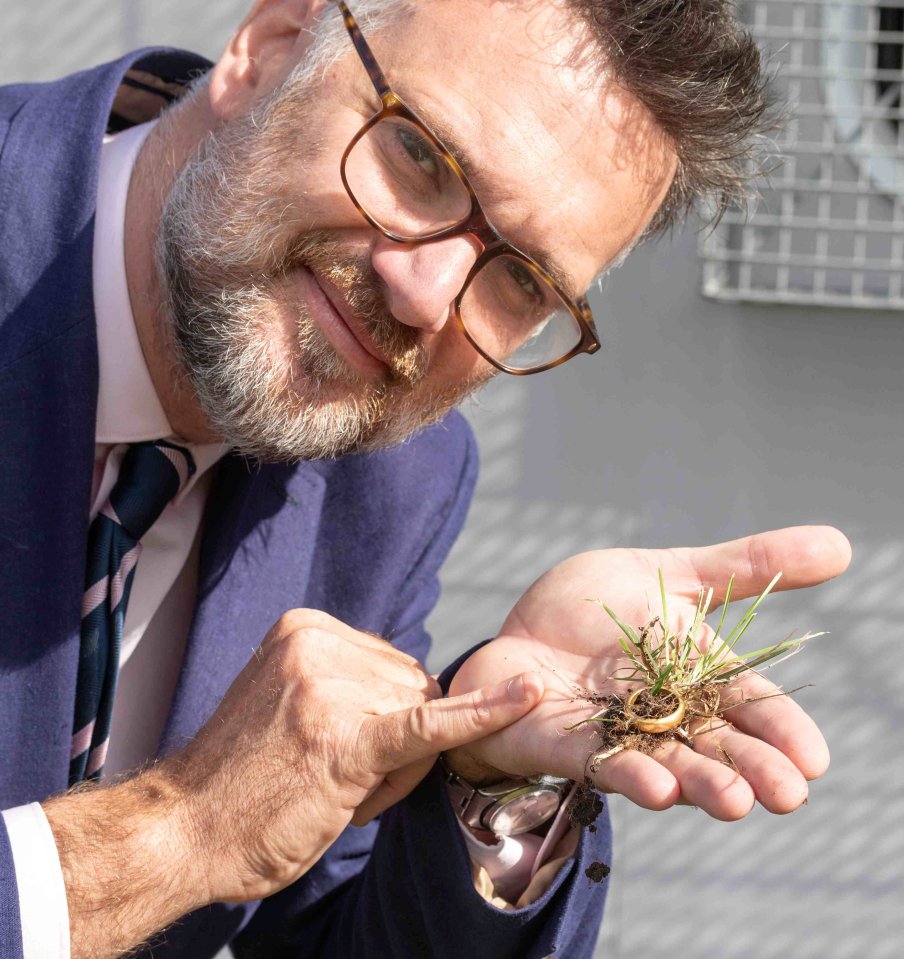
(829, 228)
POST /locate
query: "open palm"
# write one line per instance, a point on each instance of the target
(775, 747)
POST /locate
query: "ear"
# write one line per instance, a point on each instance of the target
(261, 54)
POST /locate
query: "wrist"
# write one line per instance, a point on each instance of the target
(140, 826)
(169, 833)
(468, 767)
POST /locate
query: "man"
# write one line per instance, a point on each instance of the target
(295, 264)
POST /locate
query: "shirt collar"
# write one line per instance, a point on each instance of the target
(128, 409)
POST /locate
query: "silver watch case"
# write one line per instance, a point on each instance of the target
(508, 808)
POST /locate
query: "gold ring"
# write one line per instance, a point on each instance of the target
(658, 724)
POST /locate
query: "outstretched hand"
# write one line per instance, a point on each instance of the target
(774, 746)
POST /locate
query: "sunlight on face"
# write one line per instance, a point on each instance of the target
(260, 248)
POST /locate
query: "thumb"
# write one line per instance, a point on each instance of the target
(806, 555)
(398, 739)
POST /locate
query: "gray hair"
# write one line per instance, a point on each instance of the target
(329, 39)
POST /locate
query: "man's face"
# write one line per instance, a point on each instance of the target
(305, 332)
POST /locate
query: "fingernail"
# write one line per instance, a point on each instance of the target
(515, 690)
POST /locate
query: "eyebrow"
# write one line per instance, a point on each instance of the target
(466, 160)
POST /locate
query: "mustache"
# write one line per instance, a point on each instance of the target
(360, 286)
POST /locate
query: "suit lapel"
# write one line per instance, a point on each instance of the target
(50, 140)
(260, 532)
(44, 503)
(48, 394)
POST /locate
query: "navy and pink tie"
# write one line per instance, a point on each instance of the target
(151, 475)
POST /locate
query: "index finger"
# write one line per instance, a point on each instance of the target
(397, 739)
(805, 555)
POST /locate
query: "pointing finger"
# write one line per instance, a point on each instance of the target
(397, 739)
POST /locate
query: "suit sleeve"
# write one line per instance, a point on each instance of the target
(10, 923)
(402, 888)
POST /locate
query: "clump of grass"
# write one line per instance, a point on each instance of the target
(681, 678)
(662, 658)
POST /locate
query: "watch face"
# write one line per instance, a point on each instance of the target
(523, 813)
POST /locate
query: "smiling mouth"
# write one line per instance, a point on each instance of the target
(338, 323)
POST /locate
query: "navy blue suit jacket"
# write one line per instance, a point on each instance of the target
(361, 537)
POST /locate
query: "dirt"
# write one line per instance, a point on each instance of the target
(585, 808)
(597, 871)
(654, 707)
(616, 732)
(583, 811)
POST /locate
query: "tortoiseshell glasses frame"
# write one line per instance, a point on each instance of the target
(472, 221)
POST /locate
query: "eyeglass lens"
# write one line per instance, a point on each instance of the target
(403, 180)
(515, 316)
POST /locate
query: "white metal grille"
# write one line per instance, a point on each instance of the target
(830, 225)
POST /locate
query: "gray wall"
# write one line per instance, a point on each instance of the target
(43, 39)
(698, 422)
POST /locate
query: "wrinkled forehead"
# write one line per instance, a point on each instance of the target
(559, 156)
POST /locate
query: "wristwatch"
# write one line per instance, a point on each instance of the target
(508, 808)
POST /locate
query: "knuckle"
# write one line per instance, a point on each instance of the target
(420, 723)
(433, 690)
(421, 681)
(290, 620)
(304, 652)
(293, 620)
(426, 687)
(479, 713)
(759, 558)
(299, 646)
(407, 658)
(399, 656)
(318, 619)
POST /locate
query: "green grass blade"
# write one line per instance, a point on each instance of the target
(769, 656)
(744, 621)
(687, 647)
(632, 636)
(592, 719)
(634, 673)
(777, 649)
(665, 612)
(631, 644)
(725, 603)
(703, 604)
(724, 676)
(661, 678)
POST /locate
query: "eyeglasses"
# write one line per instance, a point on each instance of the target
(409, 187)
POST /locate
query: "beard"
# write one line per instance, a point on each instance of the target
(266, 377)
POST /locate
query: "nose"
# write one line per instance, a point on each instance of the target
(423, 279)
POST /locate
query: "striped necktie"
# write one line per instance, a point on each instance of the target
(150, 476)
